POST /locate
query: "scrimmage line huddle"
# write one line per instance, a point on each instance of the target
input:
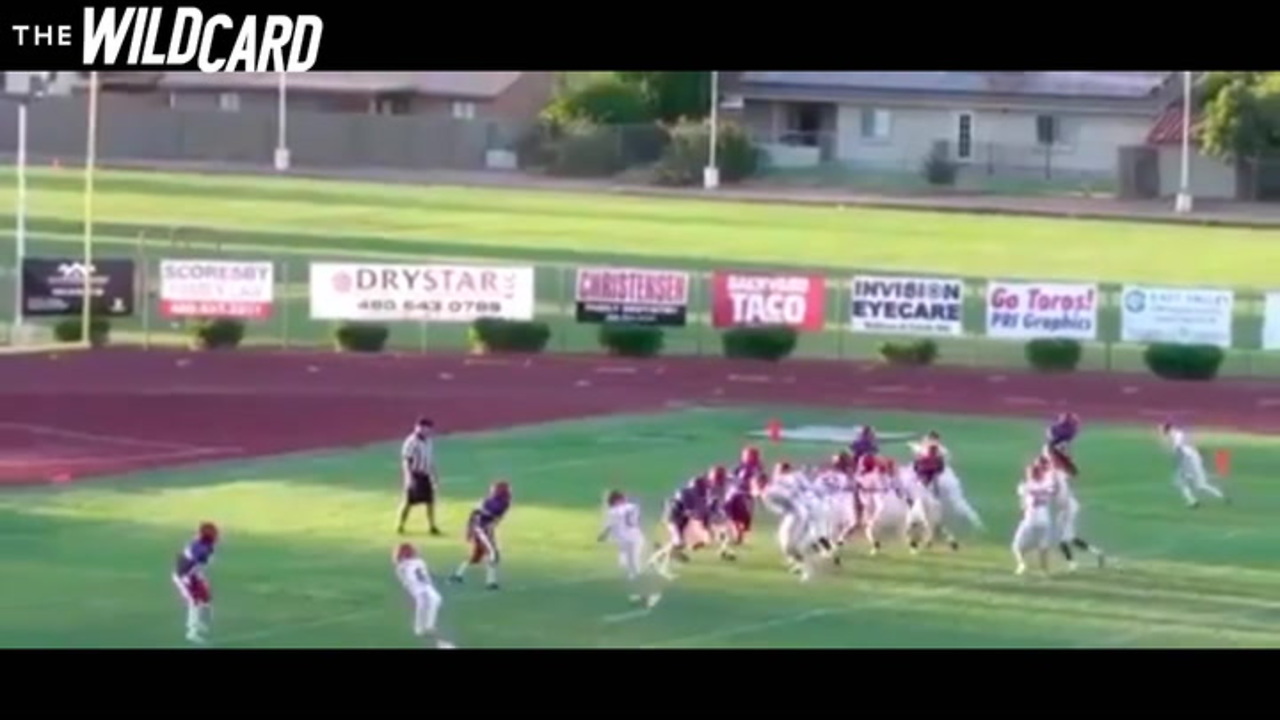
(819, 511)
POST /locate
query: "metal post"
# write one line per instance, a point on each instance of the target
(20, 229)
(282, 123)
(281, 295)
(90, 161)
(711, 174)
(1183, 203)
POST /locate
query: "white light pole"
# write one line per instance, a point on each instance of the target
(90, 165)
(1184, 202)
(35, 89)
(282, 124)
(711, 173)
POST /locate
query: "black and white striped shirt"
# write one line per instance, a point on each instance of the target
(418, 454)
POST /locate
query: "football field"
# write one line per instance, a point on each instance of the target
(305, 556)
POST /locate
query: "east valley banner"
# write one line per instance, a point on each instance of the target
(1029, 310)
(632, 296)
(739, 299)
(908, 305)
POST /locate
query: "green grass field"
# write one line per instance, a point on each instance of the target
(306, 539)
(292, 222)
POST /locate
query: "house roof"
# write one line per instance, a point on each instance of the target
(1167, 129)
(1103, 89)
(478, 85)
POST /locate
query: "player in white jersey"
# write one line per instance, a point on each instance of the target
(784, 496)
(950, 491)
(1036, 494)
(412, 572)
(1067, 515)
(1190, 477)
(622, 526)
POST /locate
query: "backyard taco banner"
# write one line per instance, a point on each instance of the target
(216, 288)
(1028, 310)
(1271, 323)
(55, 286)
(911, 305)
(442, 293)
(633, 296)
(1187, 316)
(798, 301)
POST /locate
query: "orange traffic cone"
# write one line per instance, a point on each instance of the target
(775, 430)
(1222, 462)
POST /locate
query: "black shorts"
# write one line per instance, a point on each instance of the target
(421, 490)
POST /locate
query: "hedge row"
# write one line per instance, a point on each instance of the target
(772, 343)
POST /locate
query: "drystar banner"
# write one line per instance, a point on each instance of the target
(216, 288)
(909, 305)
(440, 293)
(1029, 310)
(739, 299)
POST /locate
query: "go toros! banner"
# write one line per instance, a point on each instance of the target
(1029, 310)
(797, 301)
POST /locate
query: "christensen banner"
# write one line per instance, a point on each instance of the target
(633, 296)
(1029, 310)
(798, 301)
(1188, 316)
(216, 288)
(910, 305)
(55, 286)
(440, 293)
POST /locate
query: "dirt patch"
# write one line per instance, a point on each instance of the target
(113, 411)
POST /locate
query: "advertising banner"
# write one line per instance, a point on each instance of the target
(1187, 316)
(1030, 310)
(216, 288)
(907, 305)
(632, 296)
(438, 293)
(738, 299)
(54, 287)
(1271, 322)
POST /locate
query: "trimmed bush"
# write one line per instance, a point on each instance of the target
(1053, 354)
(938, 169)
(686, 155)
(496, 335)
(762, 342)
(217, 333)
(1184, 362)
(361, 337)
(584, 150)
(71, 330)
(909, 353)
(638, 341)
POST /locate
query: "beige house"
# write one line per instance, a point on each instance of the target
(1067, 124)
(1209, 178)
(503, 95)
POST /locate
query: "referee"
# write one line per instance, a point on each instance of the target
(418, 462)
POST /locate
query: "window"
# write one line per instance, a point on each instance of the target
(804, 124)
(464, 110)
(1048, 130)
(964, 136)
(875, 124)
(229, 102)
(391, 105)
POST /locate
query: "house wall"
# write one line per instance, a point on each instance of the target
(1211, 178)
(1004, 141)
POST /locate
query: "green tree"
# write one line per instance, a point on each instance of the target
(673, 95)
(1240, 114)
(603, 100)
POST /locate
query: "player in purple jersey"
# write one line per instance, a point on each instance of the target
(1058, 438)
(188, 576)
(482, 533)
(866, 445)
(690, 502)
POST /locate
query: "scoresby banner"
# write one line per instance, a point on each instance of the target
(797, 301)
(439, 293)
(908, 305)
(216, 288)
(1271, 322)
(1187, 316)
(1029, 310)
